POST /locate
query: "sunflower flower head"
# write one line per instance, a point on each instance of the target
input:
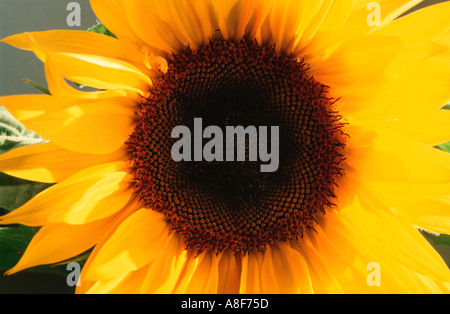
(334, 170)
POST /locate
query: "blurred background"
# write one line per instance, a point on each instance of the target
(17, 16)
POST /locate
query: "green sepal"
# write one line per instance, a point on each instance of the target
(437, 239)
(101, 29)
(445, 147)
(36, 85)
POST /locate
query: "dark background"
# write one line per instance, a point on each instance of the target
(17, 16)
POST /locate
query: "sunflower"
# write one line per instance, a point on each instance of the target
(359, 109)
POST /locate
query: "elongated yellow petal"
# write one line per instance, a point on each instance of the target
(192, 22)
(423, 202)
(165, 269)
(104, 287)
(237, 19)
(251, 282)
(289, 20)
(432, 128)
(291, 263)
(277, 276)
(186, 272)
(326, 29)
(390, 10)
(352, 71)
(73, 240)
(63, 92)
(323, 280)
(85, 285)
(135, 244)
(99, 127)
(414, 25)
(25, 107)
(92, 194)
(205, 278)
(421, 89)
(172, 25)
(431, 214)
(400, 259)
(387, 156)
(146, 21)
(229, 274)
(76, 42)
(419, 81)
(50, 163)
(100, 72)
(375, 260)
(347, 20)
(132, 284)
(111, 13)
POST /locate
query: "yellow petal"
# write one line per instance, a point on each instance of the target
(419, 90)
(294, 263)
(357, 241)
(135, 243)
(326, 29)
(192, 22)
(414, 25)
(164, 271)
(104, 287)
(50, 163)
(60, 242)
(239, 18)
(251, 273)
(63, 92)
(145, 18)
(387, 156)
(430, 214)
(289, 20)
(349, 20)
(112, 15)
(285, 271)
(100, 72)
(190, 264)
(25, 107)
(322, 279)
(400, 250)
(276, 273)
(132, 284)
(432, 128)
(355, 70)
(229, 274)
(422, 65)
(205, 278)
(98, 127)
(425, 204)
(92, 194)
(75, 42)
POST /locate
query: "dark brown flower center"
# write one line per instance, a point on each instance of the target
(223, 205)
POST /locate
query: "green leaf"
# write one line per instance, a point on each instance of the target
(101, 29)
(36, 85)
(13, 243)
(13, 134)
(15, 192)
(447, 107)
